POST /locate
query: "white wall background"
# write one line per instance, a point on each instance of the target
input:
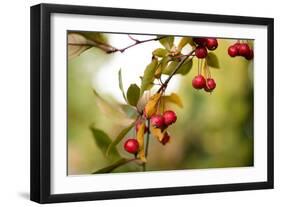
(14, 101)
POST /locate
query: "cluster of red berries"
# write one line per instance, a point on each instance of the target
(241, 49)
(202, 44)
(163, 122)
(199, 82)
(159, 121)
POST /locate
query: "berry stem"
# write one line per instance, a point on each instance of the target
(147, 144)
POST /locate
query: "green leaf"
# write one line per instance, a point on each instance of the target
(184, 41)
(212, 60)
(133, 94)
(148, 76)
(167, 42)
(103, 142)
(113, 166)
(185, 67)
(118, 139)
(121, 84)
(170, 67)
(160, 52)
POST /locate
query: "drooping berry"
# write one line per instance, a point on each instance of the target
(200, 41)
(212, 43)
(244, 50)
(170, 117)
(250, 55)
(210, 85)
(201, 52)
(237, 45)
(157, 121)
(138, 124)
(198, 82)
(166, 138)
(131, 146)
(233, 51)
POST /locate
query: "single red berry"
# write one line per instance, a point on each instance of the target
(212, 43)
(157, 121)
(138, 124)
(198, 82)
(166, 138)
(250, 55)
(170, 117)
(201, 52)
(210, 85)
(233, 51)
(131, 146)
(244, 50)
(200, 41)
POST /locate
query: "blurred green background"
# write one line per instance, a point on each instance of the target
(213, 130)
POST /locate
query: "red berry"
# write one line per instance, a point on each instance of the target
(233, 51)
(157, 121)
(237, 45)
(201, 52)
(250, 55)
(212, 43)
(200, 41)
(138, 124)
(244, 50)
(210, 85)
(198, 82)
(131, 146)
(170, 117)
(166, 138)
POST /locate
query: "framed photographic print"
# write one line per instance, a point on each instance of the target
(132, 103)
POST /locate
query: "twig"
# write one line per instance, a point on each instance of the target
(164, 85)
(111, 49)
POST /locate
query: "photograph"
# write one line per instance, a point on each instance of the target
(147, 102)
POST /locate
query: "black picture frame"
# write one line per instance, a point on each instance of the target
(41, 102)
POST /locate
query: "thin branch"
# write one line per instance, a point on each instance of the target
(111, 49)
(137, 42)
(132, 38)
(164, 85)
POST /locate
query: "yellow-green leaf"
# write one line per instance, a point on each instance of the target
(169, 69)
(133, 94)
(212, 60)
(119, 137)
(151, 106)
(140, 139)
(157, 133)
(167, 42)
(160, 52)
(114, 111)
(173, 98)
(76, 45)
(148, 76)
(162, 64)
(184, 41)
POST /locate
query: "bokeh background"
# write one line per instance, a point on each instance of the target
(212, 131)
